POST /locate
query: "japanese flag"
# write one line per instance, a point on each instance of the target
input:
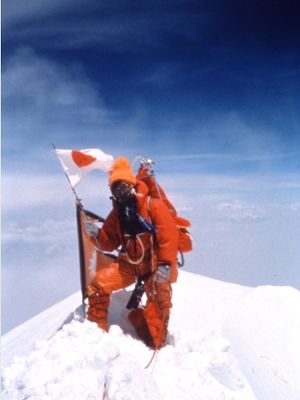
(78, 163)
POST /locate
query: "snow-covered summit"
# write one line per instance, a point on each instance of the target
(225, 342)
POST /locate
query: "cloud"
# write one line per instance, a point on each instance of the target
(243, 230)
(105, 23)
(264, 155)
(38, 81)
(14, 12)
(47, 231)
(163, 75)
(295, 206)
(45, 102)
(232, 131)
(216, 200)
(222, 185)
(25, 193)
(239, 211)
(218, 140)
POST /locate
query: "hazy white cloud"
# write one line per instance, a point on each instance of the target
(240, 211)
(23, 191)
(244, 185)
(47, 231)
(116, 25)
(45, 102)
(263, 155)
(14, 11)
(240, 195)
(237, 237)
(233, 133)
(163, 75)
(40, 81)
(27, 193)
(295, 206)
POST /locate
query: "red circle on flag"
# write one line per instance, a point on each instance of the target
(81, 159)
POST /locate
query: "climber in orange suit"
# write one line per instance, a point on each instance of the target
(144, 233)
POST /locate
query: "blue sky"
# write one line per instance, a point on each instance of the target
(209, 89)
(225, 74)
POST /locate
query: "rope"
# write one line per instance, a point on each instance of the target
(135, 262)
(104, 396)
(152, 358)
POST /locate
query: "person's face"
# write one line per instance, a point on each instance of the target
(123, 191)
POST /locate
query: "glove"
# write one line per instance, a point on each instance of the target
(91, 228)
(163, 273)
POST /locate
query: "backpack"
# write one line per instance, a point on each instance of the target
(146, 174)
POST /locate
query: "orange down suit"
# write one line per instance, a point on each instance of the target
(138, 256)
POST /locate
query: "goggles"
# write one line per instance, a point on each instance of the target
(122, 191)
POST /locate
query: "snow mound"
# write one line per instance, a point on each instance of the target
(82, 362)
(225, 342)
(264, 332)
(21, 340)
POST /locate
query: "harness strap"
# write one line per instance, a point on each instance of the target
(139, 260)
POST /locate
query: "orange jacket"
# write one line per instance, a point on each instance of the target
(164, 245)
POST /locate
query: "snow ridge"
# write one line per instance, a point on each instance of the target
(225, 342)
(82, 362)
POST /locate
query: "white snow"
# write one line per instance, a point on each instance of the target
(264, 332)
(226, 342)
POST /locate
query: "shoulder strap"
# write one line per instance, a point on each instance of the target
(148, 205)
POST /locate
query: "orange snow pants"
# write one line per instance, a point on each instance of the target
(114, 277)
(107, 279)
(120, 275)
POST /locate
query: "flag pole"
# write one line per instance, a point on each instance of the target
(81, 250)
(81, 258)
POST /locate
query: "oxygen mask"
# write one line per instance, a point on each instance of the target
(123, 192)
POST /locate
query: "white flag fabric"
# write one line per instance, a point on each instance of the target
(79, 163)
